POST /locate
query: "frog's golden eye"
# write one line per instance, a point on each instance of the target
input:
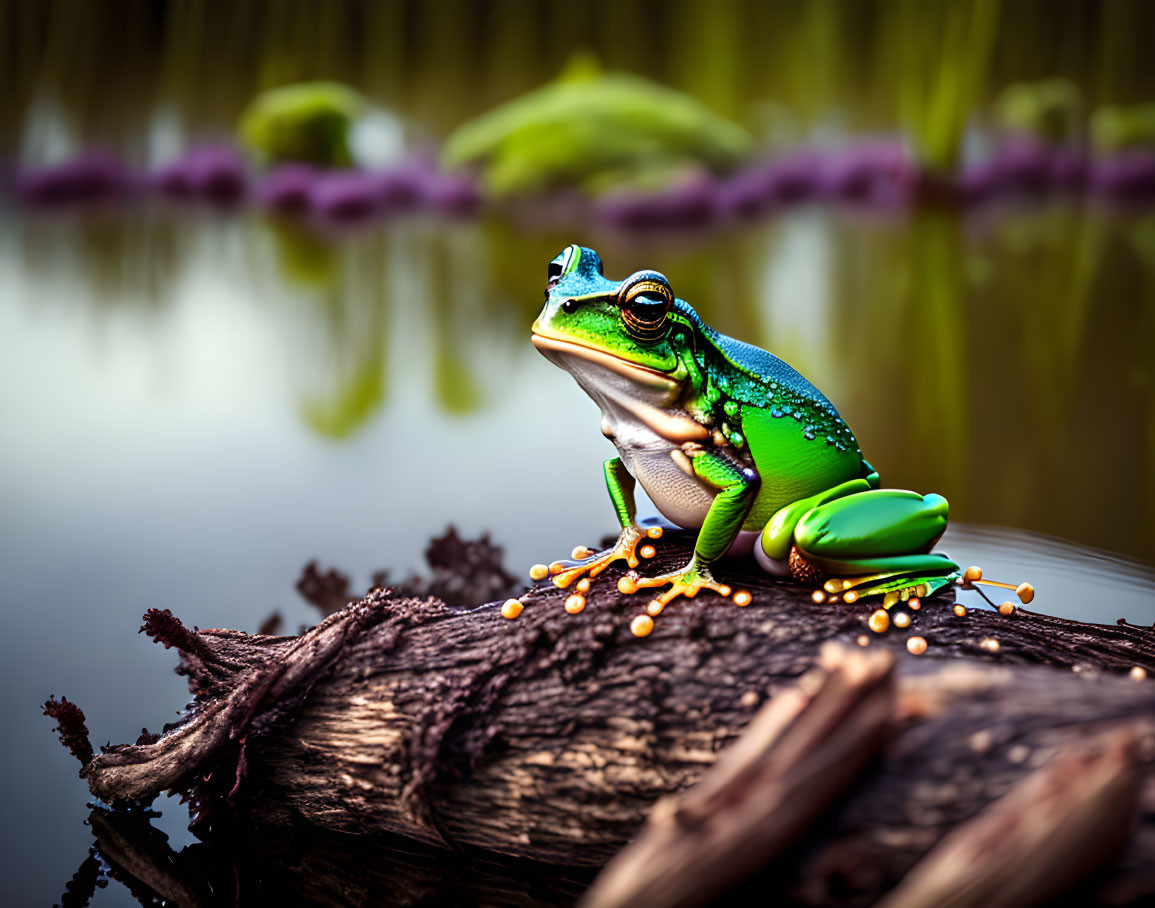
(645, 300)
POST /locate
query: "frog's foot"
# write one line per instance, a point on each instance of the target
(902, 586)
(972, 578)
(687, 581)
(895, 577)
(893, 589)
(632, 542)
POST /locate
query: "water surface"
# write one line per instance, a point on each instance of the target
(196, 404)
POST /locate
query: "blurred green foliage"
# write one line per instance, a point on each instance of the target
(946, 48)
(593, 129)
(309, 122)
(1120, 128)
(1048, 109)
(783, 70)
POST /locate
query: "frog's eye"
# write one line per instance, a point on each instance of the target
(645, 299)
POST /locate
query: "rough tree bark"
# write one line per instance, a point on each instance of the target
(550, 736)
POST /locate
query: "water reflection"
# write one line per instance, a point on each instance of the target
(1005, 363)
(268, 867)
(1075, 581)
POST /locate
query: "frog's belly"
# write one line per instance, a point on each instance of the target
(682, 499)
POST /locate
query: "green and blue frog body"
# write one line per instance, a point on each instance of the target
(728, 440)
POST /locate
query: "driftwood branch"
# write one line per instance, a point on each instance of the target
(550, 737)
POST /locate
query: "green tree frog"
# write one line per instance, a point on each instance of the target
(728, 440)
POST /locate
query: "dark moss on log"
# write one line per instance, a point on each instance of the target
(70, 726)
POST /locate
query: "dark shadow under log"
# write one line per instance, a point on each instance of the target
(550, 737)
(247, 865)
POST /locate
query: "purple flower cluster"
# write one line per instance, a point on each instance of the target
(218, 174)
(875, 173)
(881, 175)
(1026, 165)
(1129, 175)
(351, 195)
(90, 177)
(213, 173)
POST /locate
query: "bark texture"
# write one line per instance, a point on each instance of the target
(799, 753)
(550, 736)
(1052, 831)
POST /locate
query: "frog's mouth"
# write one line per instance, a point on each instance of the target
(550, 343)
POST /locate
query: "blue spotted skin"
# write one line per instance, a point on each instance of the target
(770, 448)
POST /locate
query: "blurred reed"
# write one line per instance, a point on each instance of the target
(783, 68)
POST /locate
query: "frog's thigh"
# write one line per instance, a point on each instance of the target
(870, 525)
(778, 535)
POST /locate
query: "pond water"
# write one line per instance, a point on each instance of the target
(196, 404)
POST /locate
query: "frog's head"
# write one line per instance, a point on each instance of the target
(610, 335)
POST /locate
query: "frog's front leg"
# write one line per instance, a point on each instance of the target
(737, 488)
(620, 485)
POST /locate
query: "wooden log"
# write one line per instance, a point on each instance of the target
(1054, 829)
(550, 736)
(1036, 843)
(800, 753)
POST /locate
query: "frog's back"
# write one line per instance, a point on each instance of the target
(766, 372)
(799, 443)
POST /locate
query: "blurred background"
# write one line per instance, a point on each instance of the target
(267, 271)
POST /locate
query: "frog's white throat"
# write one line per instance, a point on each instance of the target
(630, 396)
(642, 417)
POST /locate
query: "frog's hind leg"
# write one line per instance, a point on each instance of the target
(875, 542)
(901, 584)
(878, 543)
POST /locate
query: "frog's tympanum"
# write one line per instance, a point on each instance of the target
(728, 440)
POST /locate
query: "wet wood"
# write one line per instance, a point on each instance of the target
(551, 736)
